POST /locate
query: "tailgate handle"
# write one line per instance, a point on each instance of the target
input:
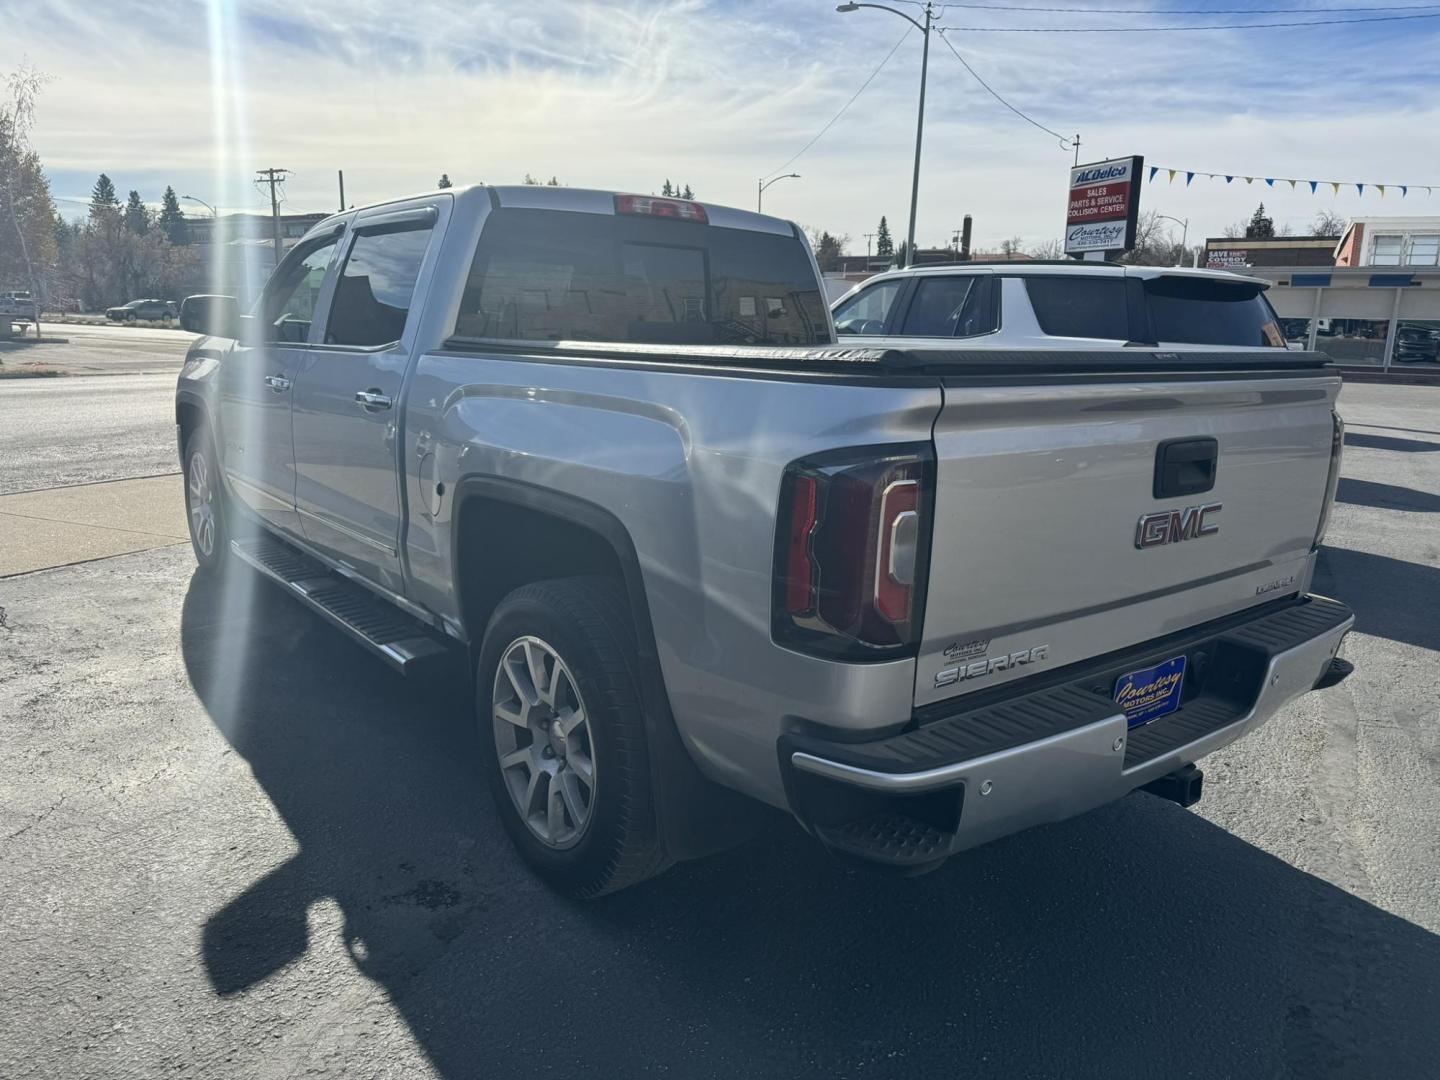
(1185, 467)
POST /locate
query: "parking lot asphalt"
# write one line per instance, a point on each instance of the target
(232, 844)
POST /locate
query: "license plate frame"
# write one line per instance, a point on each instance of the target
(1152, 692)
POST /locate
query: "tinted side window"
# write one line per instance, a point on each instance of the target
(289, 302)
(1194, 311)
(555, 275)
(372, 297)
(867, 310)
(1086, 307)
(946, 307)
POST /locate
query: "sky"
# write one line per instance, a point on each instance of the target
(623, 94)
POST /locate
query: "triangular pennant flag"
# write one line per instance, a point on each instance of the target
(1228, 179)
(1172, 175)
(1382, 190)
(1292, 184)
(1335, 186)
(1153, 170)
(1211, 175)
(1188, 177)
(1269, 182)
(1249, 179)
(1312, 187)
(1360, 188)
(1404, 190)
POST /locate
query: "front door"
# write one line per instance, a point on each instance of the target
(347, 398)
(256, 381)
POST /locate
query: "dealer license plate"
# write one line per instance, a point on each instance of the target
(1151, 693)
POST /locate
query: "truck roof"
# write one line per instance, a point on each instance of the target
(586, 201)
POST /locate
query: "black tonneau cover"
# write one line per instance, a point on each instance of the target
(919, 360)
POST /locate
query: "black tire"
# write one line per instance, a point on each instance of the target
(212, 551)
(586, 622)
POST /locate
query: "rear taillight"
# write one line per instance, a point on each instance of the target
(1332, 481)
(851, 550)
(650, 206)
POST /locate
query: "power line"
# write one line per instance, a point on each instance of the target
(847, 105)
(1194, 11)
(1064, 140)
(1168, 29)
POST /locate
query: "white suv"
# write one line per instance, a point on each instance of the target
(1068, 305)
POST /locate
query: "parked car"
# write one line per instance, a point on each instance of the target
(1417, 344)
(1067, 304)
(143, 309)
(698, 555)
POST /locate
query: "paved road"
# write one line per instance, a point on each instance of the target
(233, 845)
(105, 350)
(80, 429)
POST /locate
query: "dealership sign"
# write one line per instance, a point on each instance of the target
(1104, 203)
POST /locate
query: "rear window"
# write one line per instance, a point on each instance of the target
(1083, 307)
(552, 275)
(1194, 311)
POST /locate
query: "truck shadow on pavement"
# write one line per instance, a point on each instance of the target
(1392, 598)
(1386, 496)
(1135, 940)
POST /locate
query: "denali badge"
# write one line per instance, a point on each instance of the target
(1172, 526)
(991, 665)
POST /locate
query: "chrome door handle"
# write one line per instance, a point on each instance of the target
(372, 399)
(278, 383)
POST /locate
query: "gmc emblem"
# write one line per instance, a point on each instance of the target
(1172, 526)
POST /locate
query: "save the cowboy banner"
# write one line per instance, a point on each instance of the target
(1314, 185)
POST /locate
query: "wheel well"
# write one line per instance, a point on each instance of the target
(188, 416)
(501, 546)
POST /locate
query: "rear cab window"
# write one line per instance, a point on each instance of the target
(1201, 311)
(558, 275)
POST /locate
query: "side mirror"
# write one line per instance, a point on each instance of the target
(217, 316)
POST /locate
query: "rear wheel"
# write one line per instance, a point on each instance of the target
(563, 735)
(204, 503)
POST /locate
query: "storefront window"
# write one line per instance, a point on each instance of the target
(1353, 341)
(1417, 342)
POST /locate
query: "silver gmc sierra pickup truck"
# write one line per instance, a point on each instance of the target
(698, 555)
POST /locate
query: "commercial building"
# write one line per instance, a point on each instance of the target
(1390, 241)
(239, 249)
(1242, 253)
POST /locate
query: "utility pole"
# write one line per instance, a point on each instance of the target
(1077, 149)
(341, 174)
(868, 235)
(274, 177)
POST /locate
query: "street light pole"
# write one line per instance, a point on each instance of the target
(1184, 232)
(920, 115)
(203, 203)
(762, 184)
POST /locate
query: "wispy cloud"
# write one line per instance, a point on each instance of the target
(625, 94)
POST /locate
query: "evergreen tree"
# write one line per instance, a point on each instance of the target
(103, 197)
(687, 193)
(884, 244)
(137, 217)
(444, 181)
(898, 259)
(668, 189)
(552, 182)
(172, 219)
(1261, 226)
(529, 179)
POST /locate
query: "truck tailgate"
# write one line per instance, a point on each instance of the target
(1039, 556)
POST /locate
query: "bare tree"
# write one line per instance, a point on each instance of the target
(1050, 249)
(27, 195)
(1155, 243)
(1328, 223)
(1011, 246)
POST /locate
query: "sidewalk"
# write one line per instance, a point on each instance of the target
(64, 525)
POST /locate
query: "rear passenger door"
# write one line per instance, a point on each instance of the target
(347, 406)
(949, 306)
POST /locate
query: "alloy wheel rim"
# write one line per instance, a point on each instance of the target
(202, 505)
(543, 742)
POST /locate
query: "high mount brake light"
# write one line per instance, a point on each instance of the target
(851, 552)
(651, 206)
